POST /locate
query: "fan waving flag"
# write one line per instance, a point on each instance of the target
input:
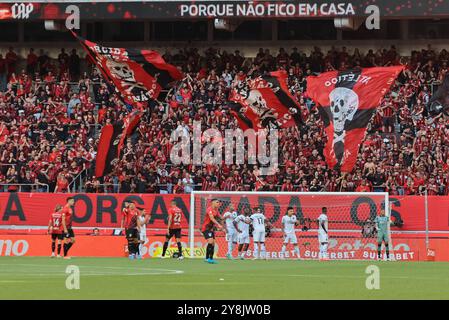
(346, 102)
(263, 102)
(139, 75)
(112, 140)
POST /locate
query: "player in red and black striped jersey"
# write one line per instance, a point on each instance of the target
(56, 230)
(173, 228)
(208, 229)
(67, 214)
(132, 228)
(125, 214)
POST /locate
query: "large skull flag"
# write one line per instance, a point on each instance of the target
(138, 75)
(264, 102)
(346, 101)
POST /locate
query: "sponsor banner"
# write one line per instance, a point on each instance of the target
(104, 210)
(90, 210)
(404, 249)
(130, 10)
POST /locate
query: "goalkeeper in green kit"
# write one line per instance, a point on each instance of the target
(382, 223)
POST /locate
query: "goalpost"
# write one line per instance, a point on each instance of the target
(350, 214)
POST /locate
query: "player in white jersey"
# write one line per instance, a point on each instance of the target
(231, 233)
(289, 221)
(323, 236)
(143, 218)
(241, 224)
(258, 222)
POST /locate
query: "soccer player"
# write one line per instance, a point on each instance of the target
(67, 213)
(124, 214)
(56, 230)
(208, 229)
(241, 224)
(132, 231)
(258, 221)
(289, 222)
(382, 222)
(143, 219)
(126, 217)
(229, 217)
(173, 228)
(323, 237)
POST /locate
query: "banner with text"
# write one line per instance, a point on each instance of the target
(104, 210)
(404, 249)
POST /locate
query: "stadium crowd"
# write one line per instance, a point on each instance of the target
(51, 114)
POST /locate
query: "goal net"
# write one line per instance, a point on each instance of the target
(351, 227)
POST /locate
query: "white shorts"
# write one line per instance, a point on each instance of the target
(243, 238)
(232, 236)
(290, 237)
(323, 237)
(259, 236)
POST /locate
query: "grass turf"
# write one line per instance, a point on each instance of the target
(120, 278)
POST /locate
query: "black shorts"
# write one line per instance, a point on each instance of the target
(132, 234)
(58, 236)
(174, 233)
(70, 233)
(208, 234)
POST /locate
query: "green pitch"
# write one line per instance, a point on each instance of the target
(120, 278)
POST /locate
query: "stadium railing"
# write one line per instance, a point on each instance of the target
(77, 182)
(38, 187)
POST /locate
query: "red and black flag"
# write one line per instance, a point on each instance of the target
(439, 103)
(346, 102)
(139, 75)
(112, 140)
(264, 102)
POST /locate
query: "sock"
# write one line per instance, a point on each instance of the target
(212, 251)
(297, 251)
(379, 250)
(208, 251)
(387, 250)
(325, 250)
(256, 250)
(130, 248)
(284, 247)
(263, 253)
(230, 247)
(66, 245)
(180, 248)
(69, 245)
(321, 255)
(165, 248)
(59, 249)
(53, 246)
(140, 247)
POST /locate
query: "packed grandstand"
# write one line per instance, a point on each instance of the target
(52, 111)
